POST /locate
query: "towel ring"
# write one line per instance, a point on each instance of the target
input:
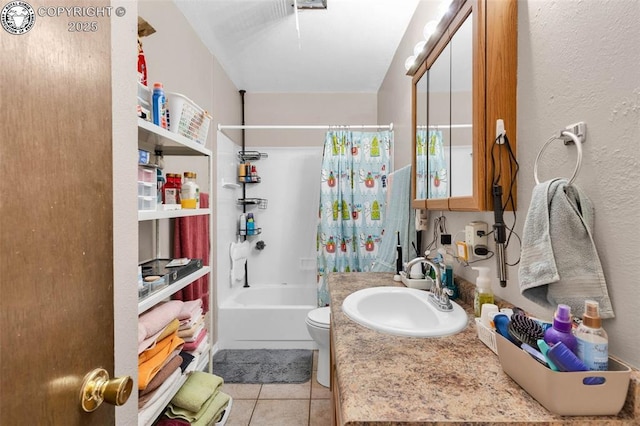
(567, 137)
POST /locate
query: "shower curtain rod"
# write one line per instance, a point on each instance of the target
(452, 126)
(296, 127)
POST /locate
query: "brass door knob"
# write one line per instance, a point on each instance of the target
(97, 387)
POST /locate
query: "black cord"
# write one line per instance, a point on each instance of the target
(514, 168)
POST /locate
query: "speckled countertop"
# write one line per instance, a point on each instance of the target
(391, 380)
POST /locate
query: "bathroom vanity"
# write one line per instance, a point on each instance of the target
(381, 379)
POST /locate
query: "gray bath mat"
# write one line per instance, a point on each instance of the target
(263, 365)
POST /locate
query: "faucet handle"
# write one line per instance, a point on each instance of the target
(446, 291)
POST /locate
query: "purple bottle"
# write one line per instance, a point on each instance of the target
(561, 329)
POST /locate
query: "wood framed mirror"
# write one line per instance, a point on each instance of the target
(463, 81)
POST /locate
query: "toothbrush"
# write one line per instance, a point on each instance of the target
(399, 255)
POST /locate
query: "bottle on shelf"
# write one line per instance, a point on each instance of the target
(592, 341)
(254, 174)
(159, 106)
(251, 226)
(242, 172)
(171, 189)
(242, 224)
(190, 192)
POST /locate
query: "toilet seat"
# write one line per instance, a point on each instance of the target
(319, 317)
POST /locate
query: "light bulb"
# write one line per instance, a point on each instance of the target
(419, 47)
(408, 63)
(429, 29)
(444, 8)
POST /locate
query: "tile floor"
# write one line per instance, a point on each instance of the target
(304, 404)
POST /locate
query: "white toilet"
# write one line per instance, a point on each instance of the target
(318, 326)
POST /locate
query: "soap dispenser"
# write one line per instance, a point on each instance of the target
(483, 292)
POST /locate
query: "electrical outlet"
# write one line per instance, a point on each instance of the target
(477, 239)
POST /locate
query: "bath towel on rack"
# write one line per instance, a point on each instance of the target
(399, 217)
(560, 263)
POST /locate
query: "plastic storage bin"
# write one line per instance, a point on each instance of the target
(565, 393)
(187, 119)
(486, 335)
(147, 174)
(147, 203)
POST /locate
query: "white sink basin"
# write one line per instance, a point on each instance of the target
(402, 312)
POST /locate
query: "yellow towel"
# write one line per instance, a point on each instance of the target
(198, 388)
(210, 412)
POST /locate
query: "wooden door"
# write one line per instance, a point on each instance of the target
(56, 251)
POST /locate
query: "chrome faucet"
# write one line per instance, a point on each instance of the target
(439, 295)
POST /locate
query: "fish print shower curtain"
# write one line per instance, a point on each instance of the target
(352, 202)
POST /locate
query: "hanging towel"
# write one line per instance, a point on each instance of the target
(560, 263)
(398, 218)
(239, 252)
(191, 240)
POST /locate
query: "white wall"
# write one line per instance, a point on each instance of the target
(577, 61)
(125, 303)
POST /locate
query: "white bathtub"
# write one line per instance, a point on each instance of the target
(267, 317)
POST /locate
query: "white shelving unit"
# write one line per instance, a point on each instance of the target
(153, 138)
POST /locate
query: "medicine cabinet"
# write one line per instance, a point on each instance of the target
(463, 81)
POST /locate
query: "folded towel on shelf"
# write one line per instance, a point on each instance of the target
(172, 422)
(170, 366)
(193, 330)
(197, 390)
(152, 360)
(194, 335)
(151, 341)
(187, 359)
(239, 252)
(154, 405)
(211, 410)
(190, 346)
(189, 309)
(155, 320)
(204, 343)
(559, 261)
(163, 375)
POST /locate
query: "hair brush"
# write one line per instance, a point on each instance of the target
(523, 329)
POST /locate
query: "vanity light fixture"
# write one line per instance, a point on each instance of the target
(311, 4)
(427, 32)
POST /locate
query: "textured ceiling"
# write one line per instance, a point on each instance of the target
(265, 46)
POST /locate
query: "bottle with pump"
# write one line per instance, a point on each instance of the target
(447, 267)
(592, 341)
(561, 329)
(483, 292)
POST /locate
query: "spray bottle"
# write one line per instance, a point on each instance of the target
(483, 293)
(592, 341)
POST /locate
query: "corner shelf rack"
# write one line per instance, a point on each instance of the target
(153, 138)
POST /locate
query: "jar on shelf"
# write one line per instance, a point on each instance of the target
(171, 189)
(190, 193)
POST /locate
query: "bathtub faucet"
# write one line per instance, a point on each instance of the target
(439, 296)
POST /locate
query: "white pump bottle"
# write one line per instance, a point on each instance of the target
(483, 293)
